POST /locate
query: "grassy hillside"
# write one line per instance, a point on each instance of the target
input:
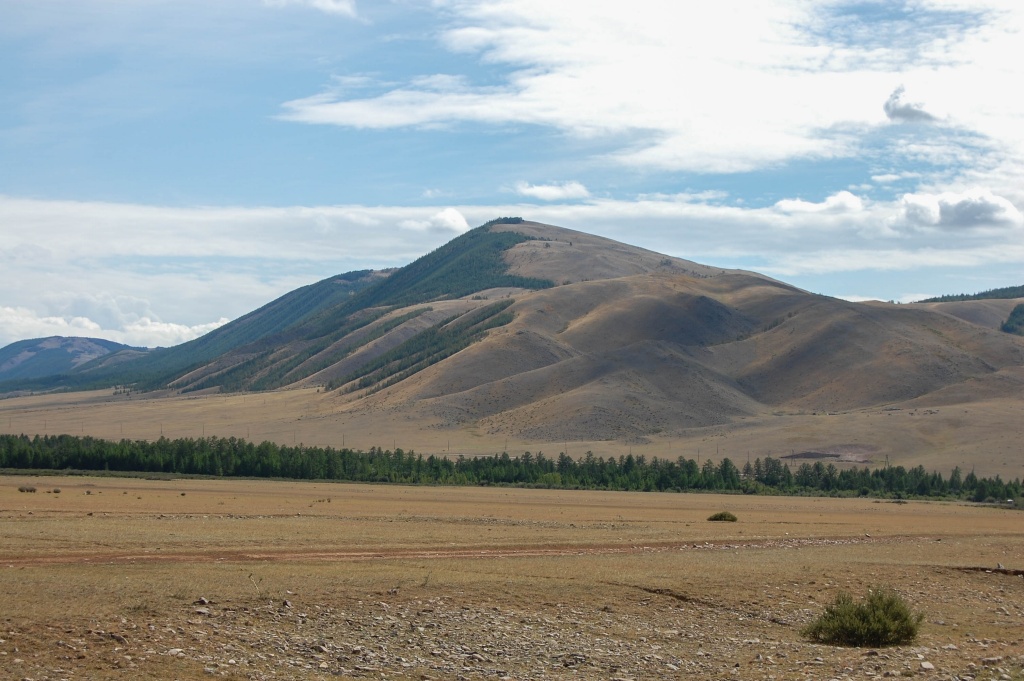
(337, 333)
(465, 265)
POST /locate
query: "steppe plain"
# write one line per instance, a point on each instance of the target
(194, 579)
(982, 432)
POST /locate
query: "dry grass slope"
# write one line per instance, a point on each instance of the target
(638, 350)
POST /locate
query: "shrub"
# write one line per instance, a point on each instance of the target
(723, 516)
(26, 488)
(882, 618)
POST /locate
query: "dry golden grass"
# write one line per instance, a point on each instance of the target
(102, 579)
(984, 434)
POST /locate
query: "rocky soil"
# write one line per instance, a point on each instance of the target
(636, 634)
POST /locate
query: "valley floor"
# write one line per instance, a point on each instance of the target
(983, 435)
(193, 579)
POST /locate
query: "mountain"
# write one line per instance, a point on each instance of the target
(530, 331)
(39, 357)
(154, 369)
(427, 311)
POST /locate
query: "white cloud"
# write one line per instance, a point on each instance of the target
(889, 178)
(905, 259)
(149, 333)
(973, 208)
(688, 82)
(553, 192)
(717, 87)
(448, 220)
(20, 323)
(841, 202)
(341, 7)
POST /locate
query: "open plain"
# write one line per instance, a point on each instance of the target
(190, 579)
(979, 434)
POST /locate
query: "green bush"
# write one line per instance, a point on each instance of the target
(882, 618)
(723, 516)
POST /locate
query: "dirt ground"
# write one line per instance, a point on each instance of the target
(188, 579)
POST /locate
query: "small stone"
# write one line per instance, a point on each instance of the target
(928, 666)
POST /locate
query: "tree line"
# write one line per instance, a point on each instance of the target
(231, 456)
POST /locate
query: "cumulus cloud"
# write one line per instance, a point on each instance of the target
(448, 220)
(553, 192)
(972, 208)
(19, 323)
(898, 109)
(147, 332)
(341, 7)
(840, 202)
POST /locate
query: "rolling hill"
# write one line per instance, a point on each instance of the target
(537, 333)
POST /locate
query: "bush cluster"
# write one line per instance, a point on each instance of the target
(26, 488)
(882, 618)
(723, 516)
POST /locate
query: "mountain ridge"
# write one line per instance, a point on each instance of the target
(38, 357)
(532, 331)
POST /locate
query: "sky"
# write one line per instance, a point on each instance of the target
(169, 165)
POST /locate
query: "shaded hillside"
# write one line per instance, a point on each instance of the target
(1015, 322)
(31, 359)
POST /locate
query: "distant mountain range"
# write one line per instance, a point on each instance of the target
(547, 333)
(56, 355)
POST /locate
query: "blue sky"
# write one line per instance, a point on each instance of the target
(168, 165)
